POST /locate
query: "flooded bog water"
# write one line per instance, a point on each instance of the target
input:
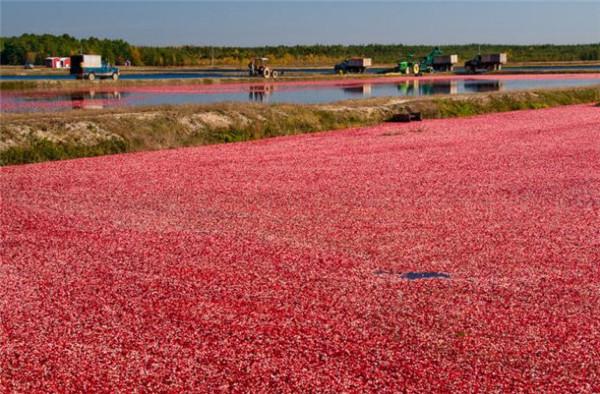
(280, 92)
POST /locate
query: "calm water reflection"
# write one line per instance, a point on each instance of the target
(266, 93)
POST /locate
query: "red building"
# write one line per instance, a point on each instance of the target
(58, 62)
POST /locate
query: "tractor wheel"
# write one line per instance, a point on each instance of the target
(266, 73)
(275, 74)
(115, 76)
(416, 69)
(91, 76)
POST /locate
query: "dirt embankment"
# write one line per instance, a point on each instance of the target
(27, 138)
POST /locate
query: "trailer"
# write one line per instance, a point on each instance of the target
(353, 65)
(490, 62)
(91, 67)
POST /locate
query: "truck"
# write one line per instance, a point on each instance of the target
(353, 65)
(445, 62)
(91, 67)
(434, 61)
(490, 62)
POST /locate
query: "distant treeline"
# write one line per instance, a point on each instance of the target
(31, 48)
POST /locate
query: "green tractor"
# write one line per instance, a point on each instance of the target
(426, 64)
(409, 66)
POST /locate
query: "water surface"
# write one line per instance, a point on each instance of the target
(103, 97)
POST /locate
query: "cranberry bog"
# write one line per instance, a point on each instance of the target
(450, 255)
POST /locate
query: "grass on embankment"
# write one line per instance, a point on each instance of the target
(29, 138)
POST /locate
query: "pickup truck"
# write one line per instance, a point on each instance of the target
(91, 67)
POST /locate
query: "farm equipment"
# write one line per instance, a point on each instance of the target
(258, 68)
(353, 65)
(491, 62)
(91, 67)
(434, 61)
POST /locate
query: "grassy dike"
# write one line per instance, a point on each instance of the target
(29, 138)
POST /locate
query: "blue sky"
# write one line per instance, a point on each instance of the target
(250, 23)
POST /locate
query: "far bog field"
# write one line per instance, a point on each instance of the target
(449, 255)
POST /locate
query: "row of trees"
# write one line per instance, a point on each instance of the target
(31, 48)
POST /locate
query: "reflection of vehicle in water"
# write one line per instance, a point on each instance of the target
(427, 88)
(259, 93)
(92, 100)
(477, 86)
(361, 90)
